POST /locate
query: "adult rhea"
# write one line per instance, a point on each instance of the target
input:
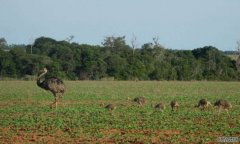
(52, 84)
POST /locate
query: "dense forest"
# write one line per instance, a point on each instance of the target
(114, 60)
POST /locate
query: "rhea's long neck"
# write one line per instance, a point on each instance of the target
(39, 82)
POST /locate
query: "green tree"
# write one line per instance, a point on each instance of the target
(117, 67)
(3, 43)
(7, 66)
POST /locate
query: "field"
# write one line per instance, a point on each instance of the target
(25, 116)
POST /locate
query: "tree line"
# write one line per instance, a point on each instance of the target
(114, 59)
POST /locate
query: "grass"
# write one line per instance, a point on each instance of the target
(25, 115)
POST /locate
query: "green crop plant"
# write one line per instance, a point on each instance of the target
(82, 118)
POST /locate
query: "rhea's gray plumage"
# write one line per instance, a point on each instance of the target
(140, 100)
(110, 107)
(203, 103)
(52, 84)
(174, 105)
(160, 106)
(223, 104)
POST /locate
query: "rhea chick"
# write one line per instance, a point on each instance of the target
(174, 105)
(203, 103)
(160, 106)
(223, 104)
(110, 107)
(140, 100)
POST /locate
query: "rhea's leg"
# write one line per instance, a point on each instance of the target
(174, 109)
(111, 112)
(227, 111)
(219, 110)
(56, 102)
(51, 105)
(60, 95)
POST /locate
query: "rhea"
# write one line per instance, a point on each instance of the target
(110, 107)
(223, 104)
(203, 103)
(174, 105)
(140, 100)
(160, 106)
(52, 84)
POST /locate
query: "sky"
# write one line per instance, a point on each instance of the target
(179, 24)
